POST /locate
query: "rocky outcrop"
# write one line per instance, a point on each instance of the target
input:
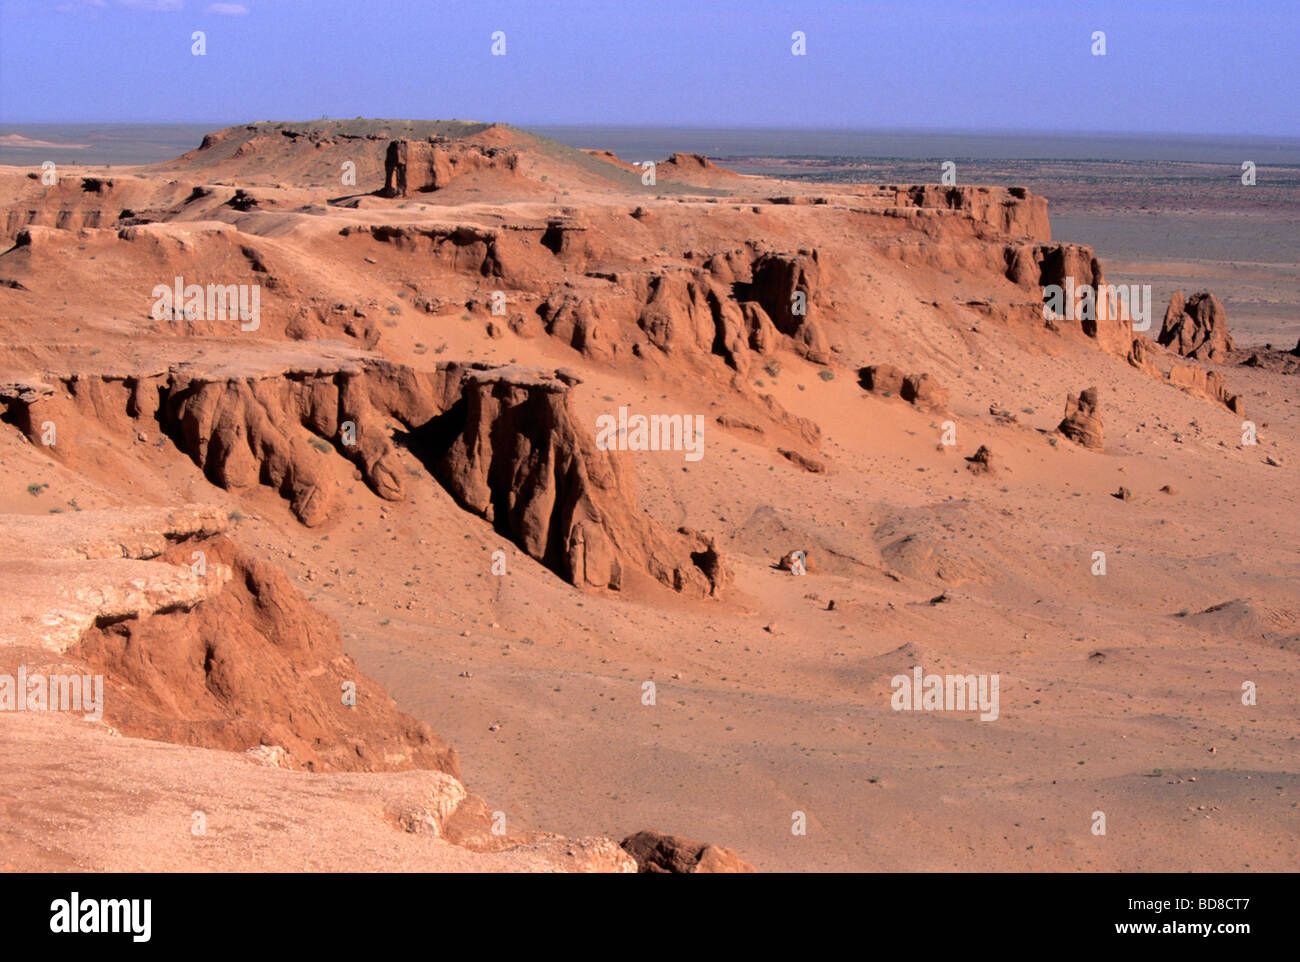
(252, 665)
(920, 390)
(66, 573)
(784, 286)
(811, 465)
(737, 307)
(1009, 210)
(658, 853)
(518, 458)
(694, 169)
(1139, 356)
(1207, 384)
(1082, 421)
(1195, 380)
(1072, 283)
(882, 379)
(1196, 328)
(418, 166)
(787, 561)
(983, 461)
(924, 392)
(503, 440)
(249, 431)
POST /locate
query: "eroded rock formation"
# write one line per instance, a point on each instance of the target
(658, 853)
(503, 440)
(428, 165)
(920, 390)
(519, 459)
(1197, 327)
(1207, 384)
(1010, 210)
(253, 665)
(1082, 421)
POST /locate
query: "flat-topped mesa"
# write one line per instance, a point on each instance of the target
(426, 165)
(1011, 210)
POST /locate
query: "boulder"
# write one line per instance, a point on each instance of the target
(982, 461)
(923, 391)
(658, 853)
(920, 390)
(882, 379)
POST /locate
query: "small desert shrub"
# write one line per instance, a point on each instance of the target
(826, 374)
(34, 489)
(321, 445)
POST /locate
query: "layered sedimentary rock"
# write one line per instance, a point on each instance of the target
(1196, 327)
(503, 440)
(253, 665)
(1011, 210)
(1078, 295)
(412, 166)
(519, 459)
(736, 306)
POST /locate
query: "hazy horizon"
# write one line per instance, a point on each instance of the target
(137, 143)
(1167, 67)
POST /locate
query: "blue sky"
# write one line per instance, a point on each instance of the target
(1171, 67)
